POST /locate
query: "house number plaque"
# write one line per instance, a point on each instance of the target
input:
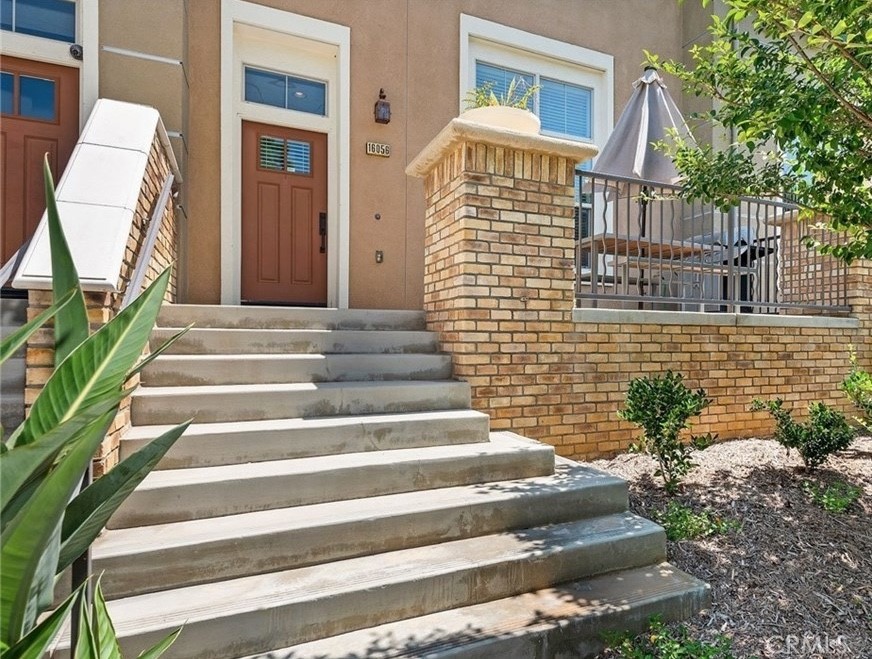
(378, 149)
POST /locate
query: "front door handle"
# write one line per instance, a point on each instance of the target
(322, 230)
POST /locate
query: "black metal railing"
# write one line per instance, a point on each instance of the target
(644, 245)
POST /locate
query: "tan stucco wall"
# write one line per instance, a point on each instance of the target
(412, 49)
(150, 28)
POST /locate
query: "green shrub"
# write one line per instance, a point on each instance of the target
(661, 406)
(662, 642)
(826, 431)
(858, 386)
(681, 523)
(836, 497)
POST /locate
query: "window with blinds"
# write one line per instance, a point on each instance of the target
(500, 79)
(563, 108)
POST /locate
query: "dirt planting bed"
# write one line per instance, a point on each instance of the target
(792, 580)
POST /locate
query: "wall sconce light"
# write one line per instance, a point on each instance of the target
(382, 109)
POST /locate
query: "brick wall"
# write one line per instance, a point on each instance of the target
(102, 307)
(499, 252)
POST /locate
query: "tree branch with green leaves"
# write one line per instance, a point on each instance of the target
(790, 83)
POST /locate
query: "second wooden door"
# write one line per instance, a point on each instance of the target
(284, 215)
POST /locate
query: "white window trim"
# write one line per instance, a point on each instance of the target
(337, 127)
(544, 56)
(50, 51)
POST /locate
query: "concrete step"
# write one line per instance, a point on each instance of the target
(257, 613)
(214, 341)
(183, 494)
(566, 621)
(13, 372)
(251, 402)
(254, 317)
(145, 559)
(171, 370)
(13, 312)
(11, 410)
(212, 444)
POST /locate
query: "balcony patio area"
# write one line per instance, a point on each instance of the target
(642, 245)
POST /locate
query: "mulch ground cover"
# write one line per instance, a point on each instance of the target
(791, 580)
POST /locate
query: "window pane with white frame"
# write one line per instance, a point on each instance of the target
(565, 109)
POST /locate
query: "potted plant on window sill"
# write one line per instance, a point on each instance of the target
(509, 110)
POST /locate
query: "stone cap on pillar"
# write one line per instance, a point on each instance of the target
(461, 130)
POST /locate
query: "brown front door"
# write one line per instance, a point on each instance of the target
(284, 215)
(40, 108)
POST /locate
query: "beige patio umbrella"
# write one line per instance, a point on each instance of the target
(647, 118)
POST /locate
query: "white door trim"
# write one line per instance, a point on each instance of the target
(336, 125)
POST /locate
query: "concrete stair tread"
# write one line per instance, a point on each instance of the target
(573, 614)
(146, 559)
(336, 513)
(217, 340)
(303, 603)
(253, 316)
(202, 492)
(250, 402)
(293, 331)
(205, 369)
(295, 357)
(210, 444)
(289, 387)
(301, 423)
(500, 442)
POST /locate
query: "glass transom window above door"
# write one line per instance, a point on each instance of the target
(49, 19)
(564, 109)
(286, 91)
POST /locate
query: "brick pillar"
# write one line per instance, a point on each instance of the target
(859, 287)
(800, 264)
(498, 266)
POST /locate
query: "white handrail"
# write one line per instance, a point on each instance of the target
(154, 226)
